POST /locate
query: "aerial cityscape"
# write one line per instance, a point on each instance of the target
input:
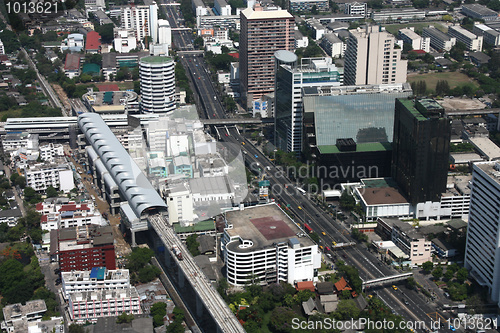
(249, 166)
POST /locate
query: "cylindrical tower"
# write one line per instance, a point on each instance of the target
(157, 75)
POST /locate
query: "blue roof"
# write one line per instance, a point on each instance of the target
(97, 273)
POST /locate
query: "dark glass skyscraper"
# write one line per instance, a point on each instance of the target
(421, 148)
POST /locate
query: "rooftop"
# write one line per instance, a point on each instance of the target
(104, 294)
(462, 31)
(436, 32)
(93, 41)
(263, 225)
(251, 14)
(72, 62)
(16, 311)
(492, 169)
(480, 9)
(156, 60)
(97, 273)
(382, 196)
(84, 237)
(209, 185)
(486, 147)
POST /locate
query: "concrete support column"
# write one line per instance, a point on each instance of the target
(133, 238)
(181, 277)
(168, 258)
(199, 306)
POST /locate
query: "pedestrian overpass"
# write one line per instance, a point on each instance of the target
(386, 280)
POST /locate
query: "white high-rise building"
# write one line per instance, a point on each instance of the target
(164, 33)
(142, 19)
(482, 255)
(157, 78)
(371, 57)
(2, 49)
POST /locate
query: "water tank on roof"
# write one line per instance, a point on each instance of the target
(284, 57)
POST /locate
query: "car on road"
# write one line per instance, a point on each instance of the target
(243, 143)
(394, 287)
(329, 255)
(370, 296)
(452, 328)
(323, 233)
(299, 207)
(256, 156)
(405, 301)
(327, 248)
(227, 134)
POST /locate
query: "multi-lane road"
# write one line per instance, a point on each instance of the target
(402, 301)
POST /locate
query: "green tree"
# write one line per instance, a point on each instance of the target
(314, 236)
(158, 311)
(410, 282)
(124, 318)
(462, 275)
(21, 182)
(448, 275)
(281, 319)
(346, 309)
(148, 273)
(427, 267)
(106, 32)
(74, 328)
(139, 257)
(437, 273)
(192, 245)
(51, 192)
(347, 201)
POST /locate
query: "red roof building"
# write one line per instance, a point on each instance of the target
(305, 285)
(93, 44)
(342, 285)
(83, 248)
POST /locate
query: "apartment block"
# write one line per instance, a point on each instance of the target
(263, 242)
(439, 40)
(373, 57)
(473, 42)
(50, 151)
(417, 42)
(91, 305)
(398, 14)
(257, 49)
(143, 19)
(222, 7)
(481, 254)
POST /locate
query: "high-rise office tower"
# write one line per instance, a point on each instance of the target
(288, 106)
(421, 148)
(263, 32)
(372, 57)
(157, 77)
(482, 256)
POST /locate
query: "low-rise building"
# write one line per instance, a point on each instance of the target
(407, 239)
(91, 305)
(471, 41)
(318, 28)
(17, 316)
(51, 151)
(263, 242)
(439, 40)
(308, 5)
(356, 8)
(478, 11)
(443, 248)
(380, 197)
(40, 176)
(124, 41)
(68, 215)
(72, 65)
(332, 45)
(417, 42)
(300, 40)
(398, 14)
